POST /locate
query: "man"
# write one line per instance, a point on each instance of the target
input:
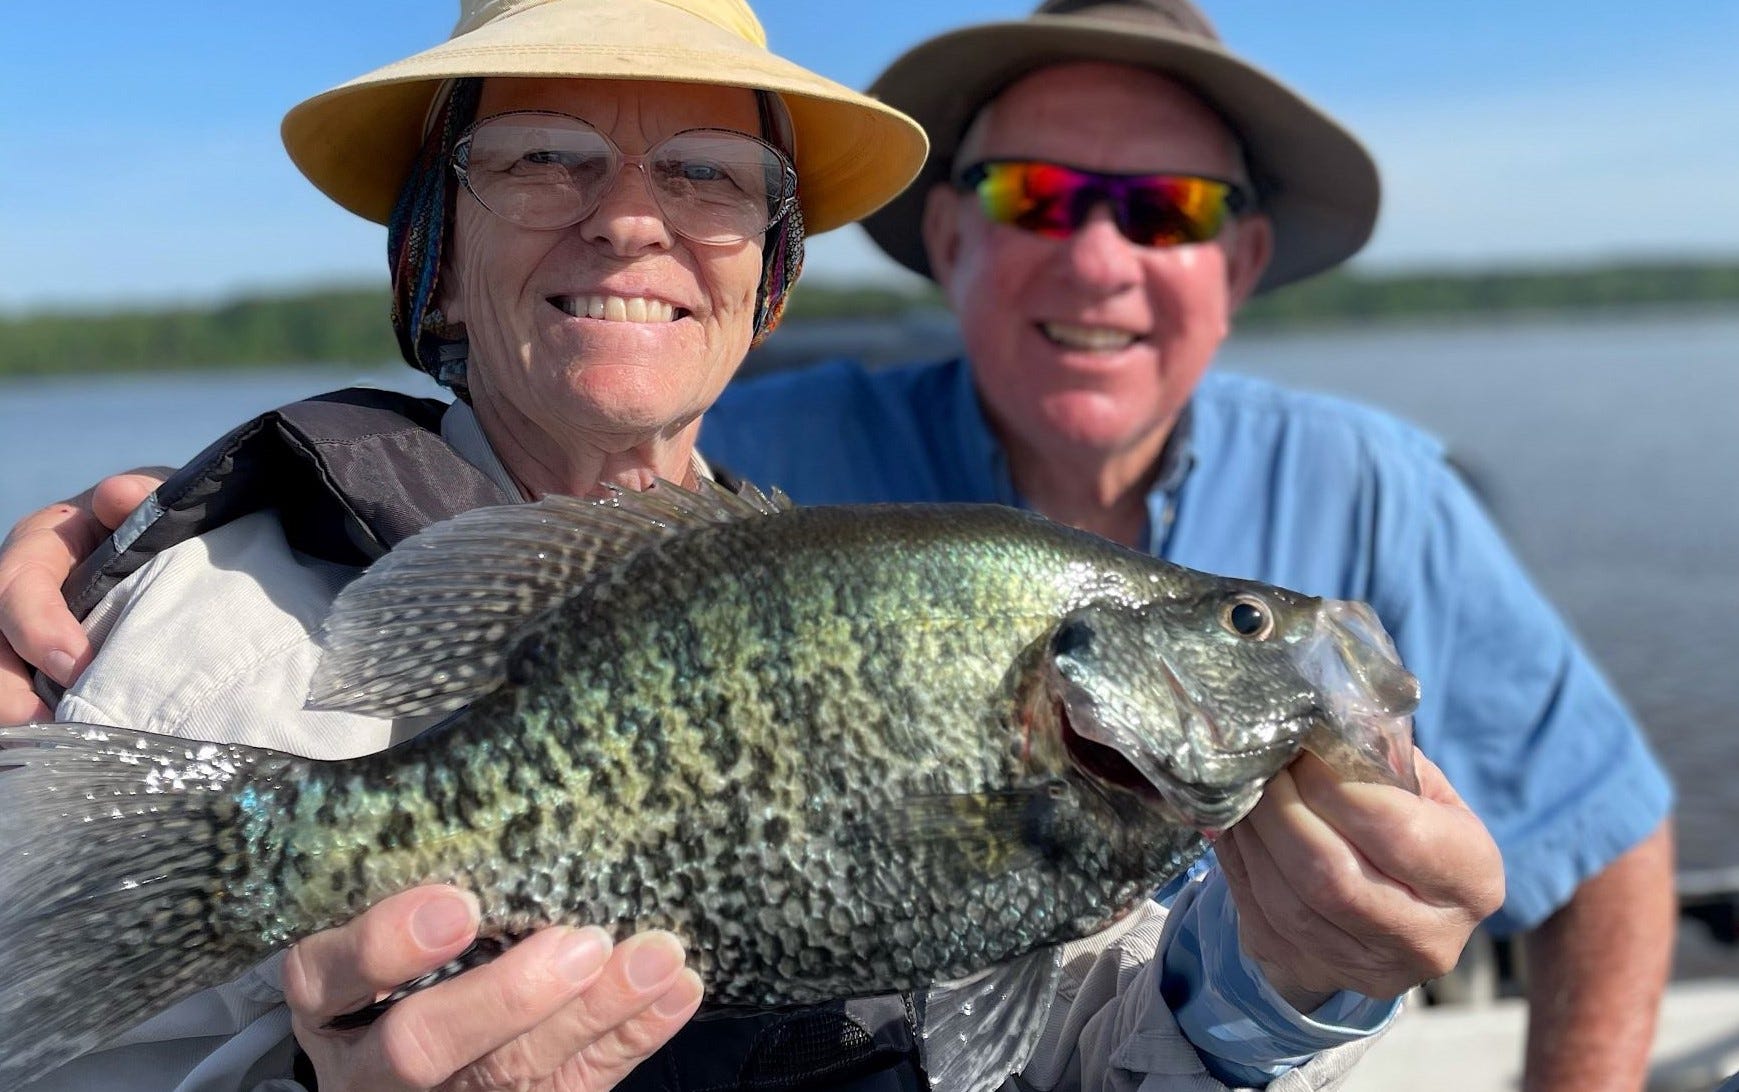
(887, 446)
(213, 595)
(1107, 184)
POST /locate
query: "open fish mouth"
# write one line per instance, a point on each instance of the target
(1145, 708)
(1205, 790)
(1102, 761)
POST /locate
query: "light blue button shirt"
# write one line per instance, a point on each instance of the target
(1315, 494)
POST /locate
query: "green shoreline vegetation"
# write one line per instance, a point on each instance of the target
(349, 325)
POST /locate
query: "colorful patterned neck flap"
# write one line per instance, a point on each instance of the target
(782, 256)
(416, 237)
(422, 223)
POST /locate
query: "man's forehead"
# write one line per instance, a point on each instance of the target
(1082, 104)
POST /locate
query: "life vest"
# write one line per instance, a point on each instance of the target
(351, 474)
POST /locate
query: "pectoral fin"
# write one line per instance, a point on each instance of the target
(998, 832)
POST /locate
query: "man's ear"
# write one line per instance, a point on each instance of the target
(941, 229)
(1252, 244)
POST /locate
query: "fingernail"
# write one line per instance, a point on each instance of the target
(59, 665)
(582, 954)
(680, 996)
(441, 922)
(652, 961)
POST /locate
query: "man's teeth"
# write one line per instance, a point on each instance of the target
(1096, 338)
(617, 308)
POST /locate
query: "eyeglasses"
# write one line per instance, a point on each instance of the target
(1053, 200)
(545, 171)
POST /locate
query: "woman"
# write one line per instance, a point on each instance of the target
(596, 206)
(584, 250)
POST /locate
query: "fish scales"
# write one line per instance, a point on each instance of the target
(661, 727)
(839, 752)
(904, 692)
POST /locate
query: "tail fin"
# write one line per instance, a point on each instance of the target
(116, 853)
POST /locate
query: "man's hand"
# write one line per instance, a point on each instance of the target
(561, 1010)
(35, 559)
(1358, 887)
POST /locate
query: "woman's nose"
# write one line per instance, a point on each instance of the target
(628, 218)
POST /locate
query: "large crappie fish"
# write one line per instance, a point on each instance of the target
(839, 751)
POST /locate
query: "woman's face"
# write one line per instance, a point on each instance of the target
(677, 315)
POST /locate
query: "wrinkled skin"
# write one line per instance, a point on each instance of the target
(1380, 856)
(567, 403)
(1373, 888)
(1083, 426)
(564, 1004)
(1082, 430)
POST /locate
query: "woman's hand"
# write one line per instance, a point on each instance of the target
(561, 1010)
(36, 558)
(1368, 888)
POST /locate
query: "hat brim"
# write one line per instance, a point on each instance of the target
(1318, 184)
(357, 141)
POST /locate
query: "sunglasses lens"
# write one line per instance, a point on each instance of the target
(548, 171)
(1037, 197)
(1170, 210)
(1053, 200)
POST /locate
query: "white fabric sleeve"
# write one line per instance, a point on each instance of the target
(1110, 1029)
(212, 640)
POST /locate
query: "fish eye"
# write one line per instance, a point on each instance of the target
(1247, 616)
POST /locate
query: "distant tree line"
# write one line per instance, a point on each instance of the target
(341, 325)
(1343, 297)
(350, 325)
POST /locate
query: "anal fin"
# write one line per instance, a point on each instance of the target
(979, 1032)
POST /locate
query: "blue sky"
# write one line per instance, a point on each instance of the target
(142, 163)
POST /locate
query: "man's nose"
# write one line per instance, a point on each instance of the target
(1099, 255)
(628, 218)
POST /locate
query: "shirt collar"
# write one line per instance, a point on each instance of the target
(1176, 459)
(1179, 453)
(462, 431)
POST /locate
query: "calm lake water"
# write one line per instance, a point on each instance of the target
(1609, 449)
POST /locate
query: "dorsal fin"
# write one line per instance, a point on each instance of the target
(426, 629)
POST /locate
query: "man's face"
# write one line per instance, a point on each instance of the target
(1084, 349)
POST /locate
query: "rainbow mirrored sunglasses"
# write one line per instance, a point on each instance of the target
(1053, 200)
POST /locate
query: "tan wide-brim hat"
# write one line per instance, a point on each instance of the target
(1315, 181)
(357, 141)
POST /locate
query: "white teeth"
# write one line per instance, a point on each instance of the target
(1093, 338)
(617, 308)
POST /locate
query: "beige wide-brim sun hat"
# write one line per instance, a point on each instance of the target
(1316, 182)
(357, 141)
